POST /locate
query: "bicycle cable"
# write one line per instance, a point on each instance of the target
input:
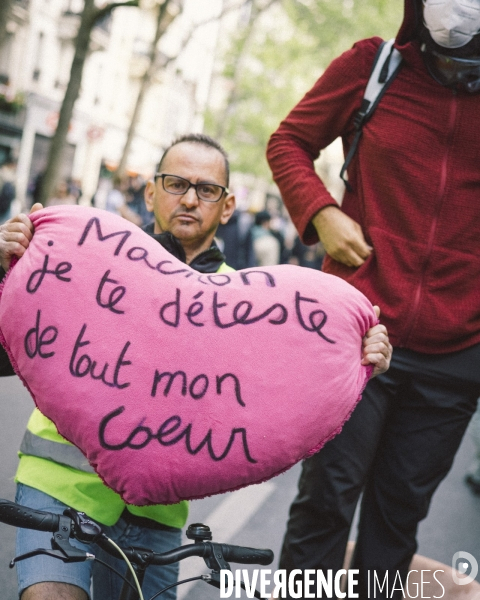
(132, 570)
(105, 564)
(177, 583)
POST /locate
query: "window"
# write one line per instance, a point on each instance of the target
(38, 57)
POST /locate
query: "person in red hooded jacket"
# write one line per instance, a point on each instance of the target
(406, 235)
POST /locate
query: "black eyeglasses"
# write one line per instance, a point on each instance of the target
(208, 192)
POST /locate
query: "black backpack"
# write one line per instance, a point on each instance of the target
(386, 66)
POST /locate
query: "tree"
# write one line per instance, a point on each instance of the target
(289, 45)
(5, 10)
(166, 12)
(164, 19)
(90, 16)
(257, 7)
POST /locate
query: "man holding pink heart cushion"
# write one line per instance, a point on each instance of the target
(189, 198)
(53, 473)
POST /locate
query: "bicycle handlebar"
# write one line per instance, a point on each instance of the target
(28, 518)
(237, 554)
(22, 516)
(247, 556)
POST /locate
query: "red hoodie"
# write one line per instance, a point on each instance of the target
(416, 190)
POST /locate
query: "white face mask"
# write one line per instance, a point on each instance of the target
(452, 23)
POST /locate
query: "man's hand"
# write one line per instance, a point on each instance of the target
(377, 349)
(342, 237)
(15, 236)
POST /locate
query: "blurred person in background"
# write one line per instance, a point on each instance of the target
(236, 241)
(75, 188)
(266, 246)
(116, 196)
(62, 195)
(7, 189)
(307, 256)
(34, 188)
(123, 200)
(136, 201)
(127, 211)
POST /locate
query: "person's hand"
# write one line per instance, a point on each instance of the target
(377, 349)
(15, 236)
(342, 237)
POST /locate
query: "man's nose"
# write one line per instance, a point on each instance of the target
(190, 198)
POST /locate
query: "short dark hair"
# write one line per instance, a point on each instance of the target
(204, 140)
(262, 217)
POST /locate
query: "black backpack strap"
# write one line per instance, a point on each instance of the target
(386, 65)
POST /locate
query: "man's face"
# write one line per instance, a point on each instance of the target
(193, 221)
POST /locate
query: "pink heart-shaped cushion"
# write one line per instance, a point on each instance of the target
(175, 384)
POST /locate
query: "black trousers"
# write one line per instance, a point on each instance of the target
(397, 447)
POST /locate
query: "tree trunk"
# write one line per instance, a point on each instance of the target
(256, 10)
(145, 83)
(90, 16)
(50, 177)
(5, 7)
(233, 94)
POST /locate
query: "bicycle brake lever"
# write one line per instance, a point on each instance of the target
(79, 556)
(212, 578)
(61, 547)
(60, 541)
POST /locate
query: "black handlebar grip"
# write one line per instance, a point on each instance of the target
(22, 516)
(247, 556)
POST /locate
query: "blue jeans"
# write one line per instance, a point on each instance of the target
(91, 574)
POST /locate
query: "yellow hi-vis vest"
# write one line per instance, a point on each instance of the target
(58, 468)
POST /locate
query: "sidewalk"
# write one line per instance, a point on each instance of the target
(453, 523)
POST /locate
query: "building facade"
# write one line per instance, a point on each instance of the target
(35, 61)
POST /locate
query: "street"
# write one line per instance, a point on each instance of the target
(254, 516)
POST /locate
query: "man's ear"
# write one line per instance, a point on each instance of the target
(228, 209)
(149, 195)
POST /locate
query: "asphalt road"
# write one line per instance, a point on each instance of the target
(15, 408)
(254, 516)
